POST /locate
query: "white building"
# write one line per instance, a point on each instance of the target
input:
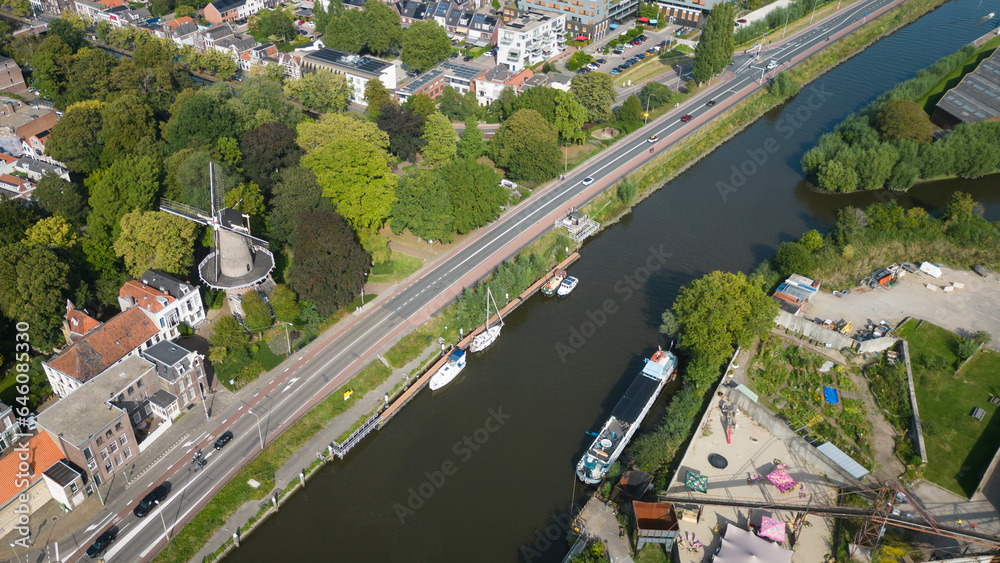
(166, 300)
(531, 39)
(357, 69)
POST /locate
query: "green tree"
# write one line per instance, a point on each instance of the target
(793, 258)
(320, 16)
(228, 342)
(332, 127)
(267, 150)
(50, 63)
(440, 141)
(89, 76)
(15, 219)
(356, 176)
(715, 47)
(626, 191)
(329, 266)
(836, 177)
(272, 25)
(472, 144)
(128, 184)
(375, 96)
(52, 232)
(570, 116)
(784, 86)
(321, 91)
(246, 197)
(812, 240)
(405, 129)
(903, 119)
(631, 111)
(425, 43)
(76, 139)
(422, 105)
(960, 206)
(183, 11)
(59, 197)
(68, 31)
(380, 27)
(34, 287)
(285, 303)
(656, 95)
(596, 92)
(124, 122)
(153, 239)
(475, 193)
(256, 313)
(459, 107)
(722, 310)
(423, 205)
(295, 192)
(346, 32)
(578, 60)
(202, 117)
(526, 146)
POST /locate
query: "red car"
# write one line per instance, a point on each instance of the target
(687, 118)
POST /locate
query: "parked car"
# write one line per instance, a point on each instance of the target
(687, 118)
(616, 71)
(601, 61)
(467, 58)
(102, 542)
(224, 439)
(454, 54)
(150, 501)
(587, 181)
(641, 56)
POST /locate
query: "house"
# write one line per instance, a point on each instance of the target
(535, 80)
(561, 82)
(25, 487)
(124, 335)
(461, 77)
(15, 187)
(292, 64)
(976, 98)
(258, 55)
(77, 323)
(492, 83)
(52, 6)
(181, 378)
(181, 30)
(168, 301)
(793, 294)
(35, 169)
(20, 121)
(208, 38)
(10, 76)
(531, 39)
(232, 10)
(9, 429)
(34, 145)
(357, 69)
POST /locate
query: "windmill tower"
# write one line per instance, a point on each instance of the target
(238, 260)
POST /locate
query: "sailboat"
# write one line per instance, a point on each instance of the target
(482, 340)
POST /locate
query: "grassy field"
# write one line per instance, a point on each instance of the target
(395, 270)
(937, 92)
(652, 554)
(958, 445)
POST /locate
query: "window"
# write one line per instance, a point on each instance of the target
(148, 410)
(107, 434)
(86, 454)
(113, 446)
(118, 427)
(100, 440)
(123, 439)
(104, 455)
(138, 384)
(118, 460)
(108, 469)
(72, 488)
(130, 390)
(92, 464)
(127, 452)
(137, 417)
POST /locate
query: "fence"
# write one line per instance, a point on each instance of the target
(340, 450)
(918, 429)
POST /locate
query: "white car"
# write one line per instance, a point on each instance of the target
(587, 181)
(772, 64)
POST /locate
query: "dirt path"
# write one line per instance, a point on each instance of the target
(883, 438)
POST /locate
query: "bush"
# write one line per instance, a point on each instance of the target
(578, 60)
(967, 348)
(626, 191)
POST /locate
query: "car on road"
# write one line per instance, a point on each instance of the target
(687, 118)
(224, 439)
(151, 500)
(652, 139)
(772, 64)
(587, 181)
(102, 542)
(710, 103)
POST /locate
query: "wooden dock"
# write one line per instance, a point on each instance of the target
(419, 384)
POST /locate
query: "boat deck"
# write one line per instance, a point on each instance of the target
(632, 403)
(611, 435)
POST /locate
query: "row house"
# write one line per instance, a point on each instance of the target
(11, 79)
(458, 20)
(258, 55)
(181, 30)
(52, 6)
(34, 475)
(357, 69)
(493, 82)
(234, 10)
(167, 300)
(20, 122)
(461, 77)
(115, 12)
(292, 63)
(35, 169)
(9, 429)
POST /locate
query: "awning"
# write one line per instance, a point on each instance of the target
(613, 26)
(580, 38)
(772, 528)
(746, 391)
(643, 19)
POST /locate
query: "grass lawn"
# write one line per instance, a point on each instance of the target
(958, 446)
(7, 391)
(934, 95)
(652, 554)
(395, 270)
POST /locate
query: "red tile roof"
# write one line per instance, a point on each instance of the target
(19, 183)
(7, 158)
(177, 22)
(78, 322)
(42, 453)
(97, 350)
(142, 295)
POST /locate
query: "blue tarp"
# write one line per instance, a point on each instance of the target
(830, 394)
(613, 26)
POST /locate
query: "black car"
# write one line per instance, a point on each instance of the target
(149, 501)
(226, 437)
(467, 58)
(454, 54)
(710, 103)
(601, 61)
(102, 542)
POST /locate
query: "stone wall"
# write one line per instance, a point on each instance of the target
(837, 341)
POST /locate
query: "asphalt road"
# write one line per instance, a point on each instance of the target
(318, 371)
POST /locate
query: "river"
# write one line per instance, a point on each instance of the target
(496, 499)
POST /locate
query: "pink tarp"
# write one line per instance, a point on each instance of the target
(781, 479)
(772, 528)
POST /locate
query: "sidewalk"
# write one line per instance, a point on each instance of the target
(301, 460)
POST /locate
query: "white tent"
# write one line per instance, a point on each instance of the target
(930, 269)
(741, 546)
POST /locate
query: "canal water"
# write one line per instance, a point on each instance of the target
(494, 452)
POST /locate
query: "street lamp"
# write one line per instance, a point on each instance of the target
(15, 553)
(259, 433)
(787, 13)
(165, 532)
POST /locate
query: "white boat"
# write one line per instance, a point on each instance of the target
(482, 340)
(449, 371)
(567, 286)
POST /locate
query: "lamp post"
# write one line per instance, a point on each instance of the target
(163, 520)
(259, 433)
(788, 13)
(15, 553)
(813, 12)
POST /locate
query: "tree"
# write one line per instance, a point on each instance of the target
(245, 197)
(185, 11)
(715, 47)
(76, 139)
(812, 240)
(320, 16)
(903, 119)
(126, 120)
(228, 342)
(50, 65)
(793, 258)
(784, 86)
(15, 220)
(425, 43)
(267, 150)
(52, 232)
(355, 175)
(158, 240)
(459, 107)
(34, 287)
(375, 96)
(128, 184)
(329, 266)
(570, 118)
(272, 25)
(256, 313)
(578, 60)
(422, 105)
(70, 33)
(596, 92)
(332, 127)
(258, 100)
(345, 32)
(404, 128)
(960, 206)
(475, 193)
(631, 111)
(423, 205)
(440, 141)
(656, 95)
(472, 144)
(285, 303)
(321, 91)
(202, 117)
(59, 197)
(836, 177)
(720, 310)
(526, 147)
(89, 76)
(380, 27)
(295, 192)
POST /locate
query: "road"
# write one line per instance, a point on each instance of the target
(329, 363)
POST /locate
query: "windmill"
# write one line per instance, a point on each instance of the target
(238, 259)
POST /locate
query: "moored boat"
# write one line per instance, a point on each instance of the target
(490, 334)
(449, 371)
(554, 282)
(567, 286)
